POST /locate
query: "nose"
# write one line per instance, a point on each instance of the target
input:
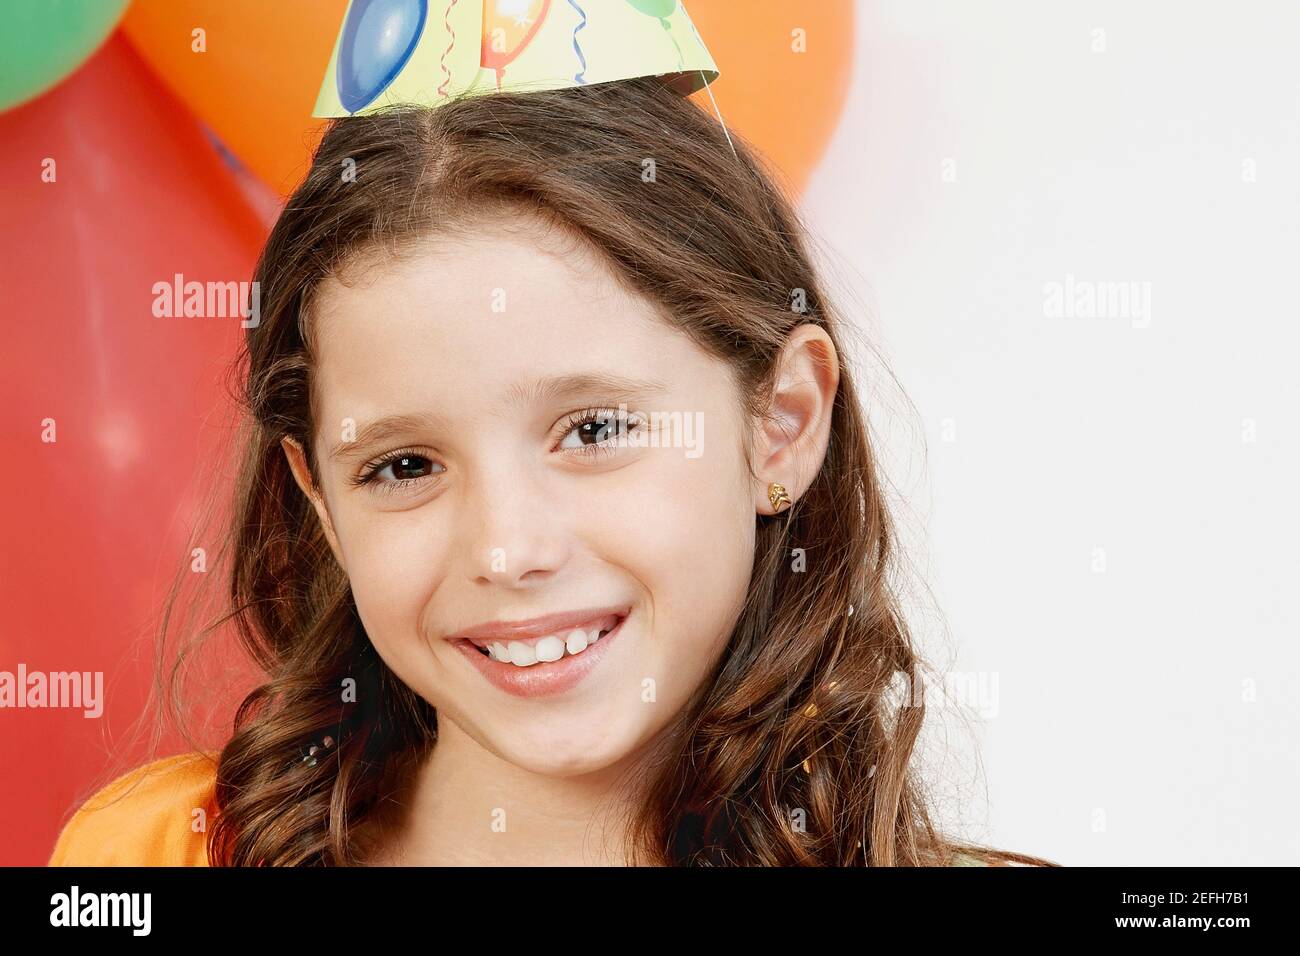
(514, 533)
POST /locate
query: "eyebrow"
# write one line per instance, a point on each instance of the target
(609, 387)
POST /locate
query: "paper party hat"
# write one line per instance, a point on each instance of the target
(424, 52)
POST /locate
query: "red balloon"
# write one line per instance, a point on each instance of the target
(110, 188)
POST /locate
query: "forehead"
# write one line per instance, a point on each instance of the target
(456, 320)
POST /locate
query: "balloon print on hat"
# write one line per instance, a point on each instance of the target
(581, 76)
(379, 37)
(655, 8)
(508, 27)
(660, 10)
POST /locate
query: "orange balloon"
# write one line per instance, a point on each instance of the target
(256, 82)
(785, 72)
(516, 33)
(784, 75)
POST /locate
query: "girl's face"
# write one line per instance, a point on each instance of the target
(475, 474)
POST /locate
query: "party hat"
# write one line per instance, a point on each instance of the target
(424, 52)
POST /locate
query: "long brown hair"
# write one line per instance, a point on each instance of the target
(791, 751)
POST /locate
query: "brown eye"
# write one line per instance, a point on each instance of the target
(600, 430)
(596, 429)
(409, 466)
(402, 468)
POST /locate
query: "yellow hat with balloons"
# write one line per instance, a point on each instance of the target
(424, 52)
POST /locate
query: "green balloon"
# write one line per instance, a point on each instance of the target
(655, 8)
(42, 41)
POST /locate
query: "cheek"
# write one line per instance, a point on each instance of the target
(395, 562)
(689, 539)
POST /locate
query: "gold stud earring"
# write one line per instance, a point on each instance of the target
(777, 494)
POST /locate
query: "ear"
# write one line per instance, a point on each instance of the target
(790, 444)
(302, 475)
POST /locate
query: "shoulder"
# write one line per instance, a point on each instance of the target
(155, 815)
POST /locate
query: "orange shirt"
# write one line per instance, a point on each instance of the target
(151, 817)
(156, 815)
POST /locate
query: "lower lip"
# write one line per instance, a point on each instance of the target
(543, 679)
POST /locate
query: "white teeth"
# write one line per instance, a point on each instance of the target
(577, 641)
(549, 648)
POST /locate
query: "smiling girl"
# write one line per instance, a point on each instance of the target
(559, 536)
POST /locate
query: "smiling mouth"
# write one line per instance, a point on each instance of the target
(570, 642)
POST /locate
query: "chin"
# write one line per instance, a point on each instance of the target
(569, 755)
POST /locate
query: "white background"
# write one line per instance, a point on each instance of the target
(1147, 712)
